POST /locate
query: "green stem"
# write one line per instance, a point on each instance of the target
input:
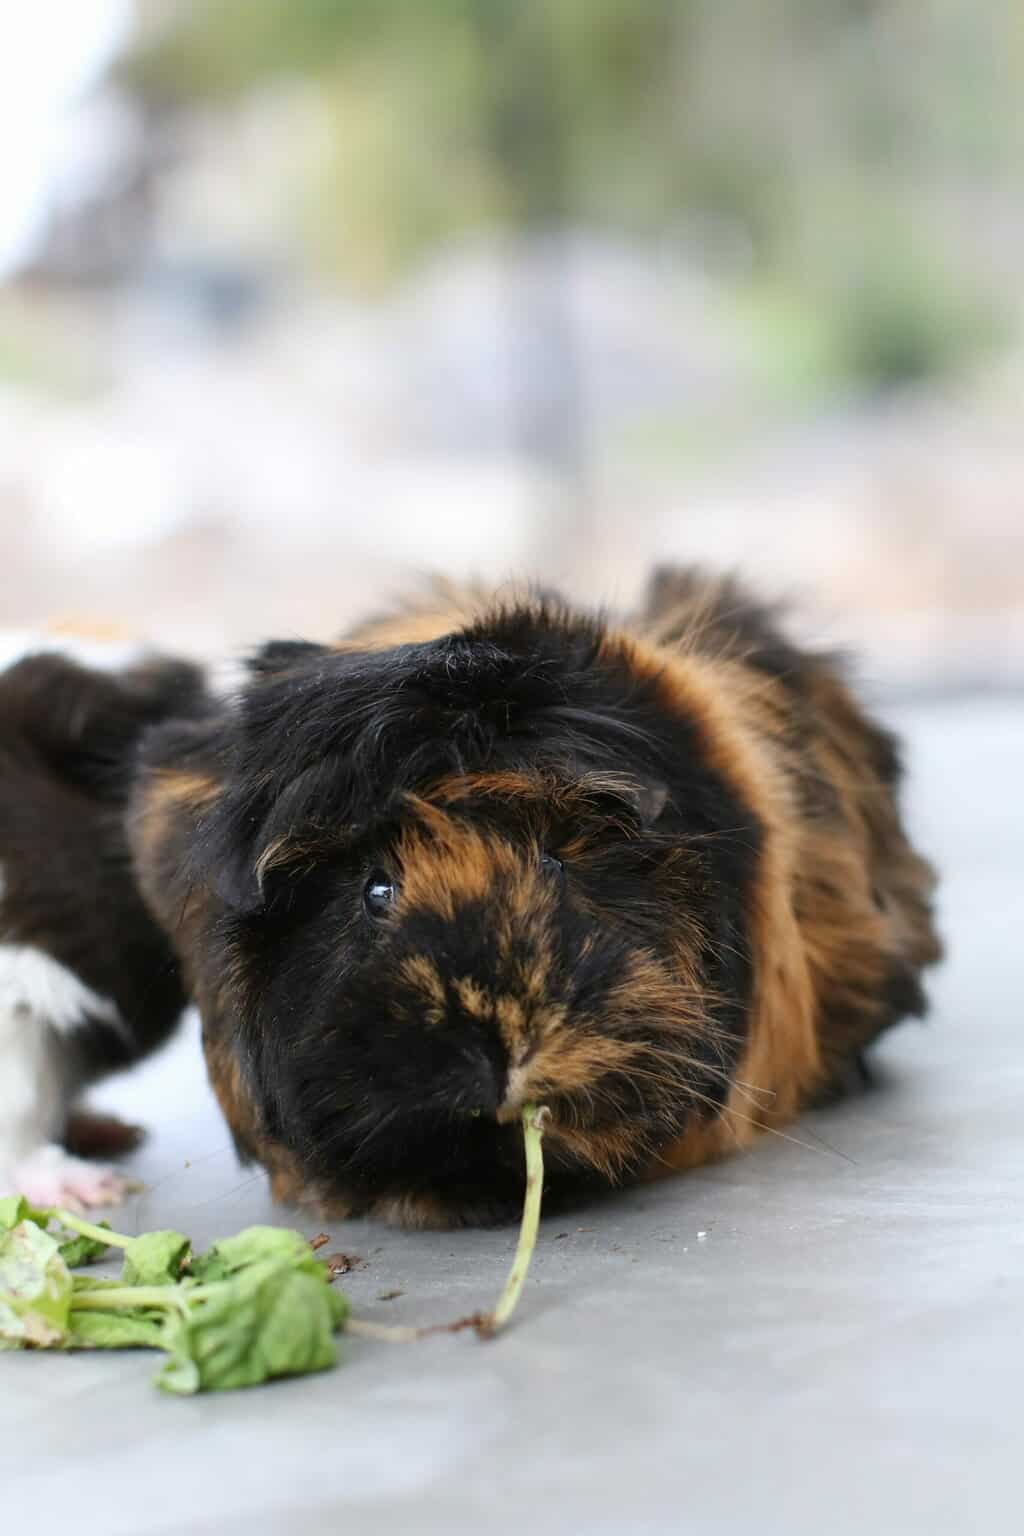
(124, 1297)
(86, 1229)
(486, 1324)
(533, 1131)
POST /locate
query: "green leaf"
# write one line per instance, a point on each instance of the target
(83, 1250)
(253, 1246)
(180, 1373)
(35, 1289)
(116, 1330)
(155, 1258)
(257, 1306)
(272, 1318)
(15, 1208)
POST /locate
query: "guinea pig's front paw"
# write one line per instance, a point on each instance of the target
(51, 1176)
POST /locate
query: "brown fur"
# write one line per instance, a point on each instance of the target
(173, 801)
(839, 916)
(823, 948)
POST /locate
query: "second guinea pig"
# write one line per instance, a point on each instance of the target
(651, 874)
(89, 984)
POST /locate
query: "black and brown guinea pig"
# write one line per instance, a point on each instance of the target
(651, 874)
(88, 981)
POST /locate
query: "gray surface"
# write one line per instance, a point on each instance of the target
(842, 1350)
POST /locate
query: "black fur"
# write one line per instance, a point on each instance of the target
(68, 740)
(323, 752)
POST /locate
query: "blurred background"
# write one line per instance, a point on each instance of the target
(303, 299)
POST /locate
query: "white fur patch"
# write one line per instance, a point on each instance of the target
(103, 655)
(33, 985)
(32, 1087)
(40, 1000)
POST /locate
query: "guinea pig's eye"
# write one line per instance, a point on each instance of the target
(549, 862)
(379, 895)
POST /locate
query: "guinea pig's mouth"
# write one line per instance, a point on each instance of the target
(516, 1095)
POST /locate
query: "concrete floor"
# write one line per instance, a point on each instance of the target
(827, 1333)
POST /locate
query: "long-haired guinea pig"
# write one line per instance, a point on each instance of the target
(494, 851)
(88, 981)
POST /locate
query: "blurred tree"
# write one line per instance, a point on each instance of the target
(837, 157)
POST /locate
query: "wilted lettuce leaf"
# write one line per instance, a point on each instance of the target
(258, 1305)
(35, 1289)
(15, 1208)
(155, 1258)
(116, 1330)
(83, 1250)
(271, 1318)
(252, 1246)
(74, 1251)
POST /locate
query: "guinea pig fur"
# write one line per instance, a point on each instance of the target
(493, 850)
(88, 981)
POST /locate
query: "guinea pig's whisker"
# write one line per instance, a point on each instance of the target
(596, 1095)
(823, 1148)
(748, 1091)
(228, 1194)
(691, 839)
(753, 1094)
(680, 1060)
(720, 948)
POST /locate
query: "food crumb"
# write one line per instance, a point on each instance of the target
(389, 1295)
(318, 1241)
(560, 1234)
(343, 1264)
(701, 1236)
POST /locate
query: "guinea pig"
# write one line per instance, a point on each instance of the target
(496, 850)
(89, 983)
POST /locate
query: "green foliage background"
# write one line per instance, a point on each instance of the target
(839, 163)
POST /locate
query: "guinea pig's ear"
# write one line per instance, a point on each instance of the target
(650, 797)
(235, 882)
(279, 655)
(246, 862)
(221, 854)
(224, 848)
